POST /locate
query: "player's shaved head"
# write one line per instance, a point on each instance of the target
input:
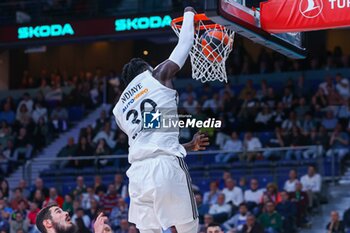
(135, 67)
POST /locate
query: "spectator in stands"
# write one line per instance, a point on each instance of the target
(53, 198)
(80, 188)
(342, 86)
(330, 121)
(233, 194)
(101, 121)
(236, 222)
(251, 144)
(124, 226)
(202, 208)
(27, 101)
(8, 153)
(319, 100)
(23, 115)
(212, 104)
(294, 139)
(274, 142)
(83, 149)
(17, 198)
(81, 226)
(326, 85)
(87, 197)
(301, 89)
(68, 204)
(4, 188)
(301, 109)
(242, 183)
(107, 134)
(289, 185)
(38, 198)
(234, 144)
(291, 122)
(220, 210)
(272, 194)
(287, 98)
(252, 226)
(189, 91)
(68, 151)
(210, 197)
(89, 134)
(33, 212)
(308, 123)
(5, 212)
(102, 149)
(7, 114)
(333, 97)
(213, 228)
(335, 225)
(315, 141)
(271, 220)
(20, 222)
(300, 198)
(346, 219)
(312, 183)
(95, 209)
(263, 90)
(80, 215)
(288, 211)
(190, 104)
(59, 118)
(263, 119)
(110, 200)
(23, 207)
(39, 112)
(39, 185)
(22, 184)
(55, 94)
(120, 186)
(247, 112)
(270, 99)
(118, 213)
(248, 90)
(339, 143)
(279, 114)
(253, 196)
(344, 111)
(99, 187)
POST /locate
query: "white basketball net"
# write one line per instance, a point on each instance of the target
(204, 69)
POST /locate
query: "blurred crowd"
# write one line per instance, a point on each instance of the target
(270, 116)
(241, 62)
(237, 207)
(31, 121)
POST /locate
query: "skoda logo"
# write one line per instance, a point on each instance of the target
(310, 8)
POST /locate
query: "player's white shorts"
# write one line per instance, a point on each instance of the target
(161, 193)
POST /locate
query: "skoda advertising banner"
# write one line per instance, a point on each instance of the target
(95, 29)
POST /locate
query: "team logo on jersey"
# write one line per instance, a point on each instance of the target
(310, 8)
(152, 120)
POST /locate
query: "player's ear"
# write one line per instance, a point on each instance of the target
(47, 223)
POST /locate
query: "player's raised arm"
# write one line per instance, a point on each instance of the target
(166, 70)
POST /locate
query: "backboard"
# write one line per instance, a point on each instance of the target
(246, 22)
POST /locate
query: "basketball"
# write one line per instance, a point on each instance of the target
(213, 43)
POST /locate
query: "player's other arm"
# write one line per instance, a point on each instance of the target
(199, 142)
(165, 71)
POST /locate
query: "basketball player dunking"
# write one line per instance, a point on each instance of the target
(159, 183)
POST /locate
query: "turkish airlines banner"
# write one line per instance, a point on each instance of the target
(278, 16)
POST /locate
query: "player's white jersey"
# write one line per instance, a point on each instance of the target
(147, 97)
